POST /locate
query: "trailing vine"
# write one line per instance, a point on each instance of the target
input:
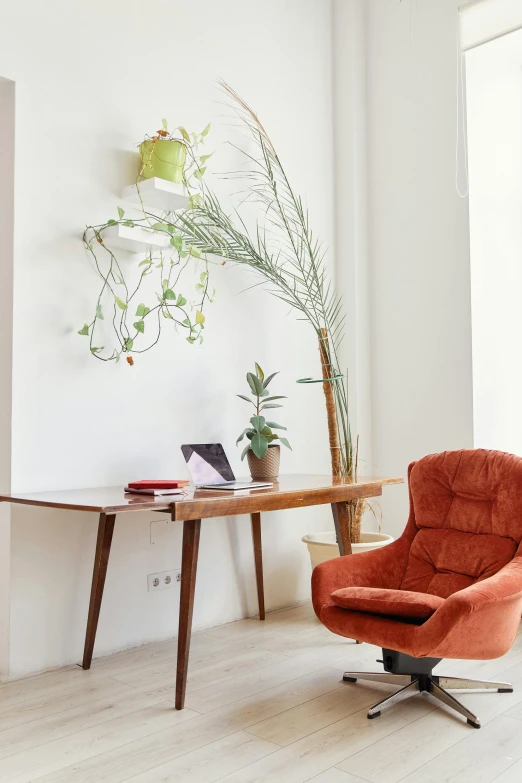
(138, 297)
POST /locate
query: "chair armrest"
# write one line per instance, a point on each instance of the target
(383, 567)
(480, 622)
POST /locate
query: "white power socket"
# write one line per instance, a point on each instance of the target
(163, 580)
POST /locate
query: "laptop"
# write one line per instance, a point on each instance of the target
(210, 469)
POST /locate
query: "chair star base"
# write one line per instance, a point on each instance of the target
(424, 681)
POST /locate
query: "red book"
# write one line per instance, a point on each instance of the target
(158, 484)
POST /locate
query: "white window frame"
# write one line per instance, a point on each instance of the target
(482, 21)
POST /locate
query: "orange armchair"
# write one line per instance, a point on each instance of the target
(449, 587)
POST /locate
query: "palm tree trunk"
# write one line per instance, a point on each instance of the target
(346, 511)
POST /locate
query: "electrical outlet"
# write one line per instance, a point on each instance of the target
(164, 580)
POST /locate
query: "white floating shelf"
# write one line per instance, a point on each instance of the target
(134, 239)
(158, 194)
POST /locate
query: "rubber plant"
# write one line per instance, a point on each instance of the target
(260, 435)
(285, 253)
(138, 296)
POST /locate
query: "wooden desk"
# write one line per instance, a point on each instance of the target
(293, 491)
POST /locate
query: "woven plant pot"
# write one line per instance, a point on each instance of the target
(266, 468)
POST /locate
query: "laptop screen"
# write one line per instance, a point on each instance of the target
(207, 463)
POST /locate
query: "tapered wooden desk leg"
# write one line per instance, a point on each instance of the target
(341, 517)
(258, 558)
(189, 565)
(101, 559)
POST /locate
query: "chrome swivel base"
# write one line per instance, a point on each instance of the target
(429, 683)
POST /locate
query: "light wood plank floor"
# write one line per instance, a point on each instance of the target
(265, 704)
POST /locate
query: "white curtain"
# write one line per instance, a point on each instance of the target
(482, 21)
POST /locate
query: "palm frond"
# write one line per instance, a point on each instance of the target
(282, 248)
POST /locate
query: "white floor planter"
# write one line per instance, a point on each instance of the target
(323, 546)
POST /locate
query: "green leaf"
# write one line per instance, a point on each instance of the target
(275, 426)
(164, 124)
(186, 322)
(267, 432)
(99, 312)
(243, 435)
(184, 133)
(164, 284)
(168, 293)
(96, 350)
(247, 447)
(270, 377)
(129, 342)
(277, 397)
(285, 443)
(160, 227)
(191, 340)
(204, 158)
(200, 318)
(129, 223)
(254, 383)
(205, 131)
(260, 373)
(200, 172)
(259, 445)
(194, 252)
(112, 222)
(142, 310)
(195, 200)
(258, 422)
(145, 261)
(121, 304)
(181, 301)
(170, 228)
(176, 241)
(264, 407)
(121, 212)
(264, 393)
(84, 330)
(242, 396)
(140, 326)
(203, 277)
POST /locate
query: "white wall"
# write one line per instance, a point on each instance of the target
(495, 158)
(91, 79)
(351, 239)
(419, 246)
(7, 134)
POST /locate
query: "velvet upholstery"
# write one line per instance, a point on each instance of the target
(398, 603)
(462, 543)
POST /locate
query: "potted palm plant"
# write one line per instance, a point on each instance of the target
(262, 452)
(286, 255)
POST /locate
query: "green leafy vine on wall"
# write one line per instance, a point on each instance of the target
(135, 315)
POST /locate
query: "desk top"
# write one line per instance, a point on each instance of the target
(290, 491)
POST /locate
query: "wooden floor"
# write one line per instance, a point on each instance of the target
(265, 702)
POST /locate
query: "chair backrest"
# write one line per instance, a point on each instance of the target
(466, 515)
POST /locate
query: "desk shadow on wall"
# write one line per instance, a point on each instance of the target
(48, 589)
(282, 564)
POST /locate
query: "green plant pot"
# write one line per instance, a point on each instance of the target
(164, 159)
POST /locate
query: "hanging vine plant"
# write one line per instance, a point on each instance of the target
(137, 298)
